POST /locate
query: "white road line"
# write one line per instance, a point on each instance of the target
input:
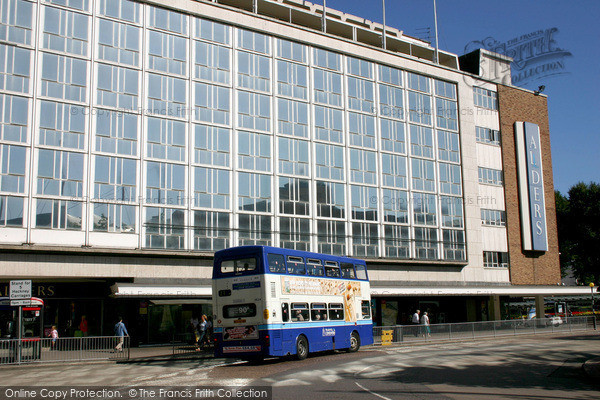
(372, 392)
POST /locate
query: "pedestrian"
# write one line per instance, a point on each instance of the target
(83, 326)
(415, 321)
(201, 331)
(54, 336)
(120, 332)
(194, 326)
(209, 331)
(425, 323)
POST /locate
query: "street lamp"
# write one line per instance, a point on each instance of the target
(593, 313)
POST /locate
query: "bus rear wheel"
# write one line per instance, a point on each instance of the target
(301, 348)
(354, 342)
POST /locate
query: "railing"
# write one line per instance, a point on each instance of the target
(185, 343)
(34, 350)
(474, 330)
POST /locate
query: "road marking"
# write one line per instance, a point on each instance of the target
(372, 392)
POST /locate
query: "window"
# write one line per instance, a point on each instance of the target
(392, 136)
(82, 5)
(238, 266)
(11, 211)
(63, 77)
(254, 230)
(395, 206)
(213, 31)
(62, 125)
(253, 71)
(16, 21)
(314, 267)
(167, 20)
(452, 212)
(491, 176)
(12, 168)
(212, 103)
(329, 124)
(450, 179)
(121, 9)
(254, 111)
(336, 312)
(291, 50)
(397, 241)
(393, 171)
(166, 95)
(114, 218)
(211, 188)
(493, 217)
(391, 103)
(14, 68)
(13, 121)
(294, 233)
(445, 89)
(212, 63)
(254, 151)
(329, 161)
(426, 246)
(292, 118)
(423, 175)
(211, 230)
(424, 209)
(495, 259)
(115, 179)
(165, 228)
(327, 59)
(361, 271)
(58, 214)
(421, 141)
(418, 82)
(165, 183)
(239, 310)
(285, 311)
(485, 98)
(332, 270)
(118, 42)
(292, 80)
(294, 196)
(328, 87)
(362, 130)
(300, 312)
(254, 41)
(318, 311)
(419, 108)
(365, 240)
(65, 31)
(167, 53)
(254, 192)
(448, 146)
(363, 166)
(211, 145)
(360, 95)
(331, 238)
(359, 67)
(347, 271)
(446, 113)
(489, 136)
(364, 203)
(165, 139)
(116, 132)
(331, 201)
(276, 263)
(60, 173)
(118, 87)
(293, 157)
(453, 245)
(390, 75)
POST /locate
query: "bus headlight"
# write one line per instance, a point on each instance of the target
(266, 313)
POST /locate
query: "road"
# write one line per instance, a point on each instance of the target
(540, 367)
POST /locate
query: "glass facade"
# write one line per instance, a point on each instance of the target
(195, 135)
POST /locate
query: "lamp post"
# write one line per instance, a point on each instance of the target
(593, 313)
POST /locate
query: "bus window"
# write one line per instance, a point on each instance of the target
(331, 269)
(285, 312)
(276, 263)
(299, 312)
(240, 310)
(336, 311)
(238, 266)
(296, 265)
(318, 311)
(348, 271)
(366, 309)
(314, 267)
(361, 271)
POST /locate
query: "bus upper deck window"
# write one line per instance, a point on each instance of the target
(314, 267)
(361, 271)
(331, 269)
(296, 265)
(276, 263)
(348, 271)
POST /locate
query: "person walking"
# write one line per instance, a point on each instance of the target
(425, 323)
(120, 332)
(54, 336)
(83, 326)
(202, 331)
(415, 320)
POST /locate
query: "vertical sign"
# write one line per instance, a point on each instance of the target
(531, 186)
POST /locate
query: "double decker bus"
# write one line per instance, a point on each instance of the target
(270, 302)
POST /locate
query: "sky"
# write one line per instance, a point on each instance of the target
(573, 95)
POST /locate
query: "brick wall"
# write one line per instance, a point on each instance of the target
(527, 268)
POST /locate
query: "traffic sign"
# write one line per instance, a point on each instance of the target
(20, 290)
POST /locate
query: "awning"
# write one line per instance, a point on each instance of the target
(150, 291)
(512, 290)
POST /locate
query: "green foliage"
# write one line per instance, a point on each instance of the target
(578, 217)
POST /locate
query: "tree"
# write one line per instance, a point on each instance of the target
(578, 218)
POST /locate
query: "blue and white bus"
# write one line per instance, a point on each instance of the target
(269, 301)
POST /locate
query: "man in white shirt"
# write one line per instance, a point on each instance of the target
(415, 321)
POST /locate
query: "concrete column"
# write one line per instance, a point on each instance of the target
(539, 306)
(494, 308)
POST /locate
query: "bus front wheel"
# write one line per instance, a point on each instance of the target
(354, 342)
(301, 348)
